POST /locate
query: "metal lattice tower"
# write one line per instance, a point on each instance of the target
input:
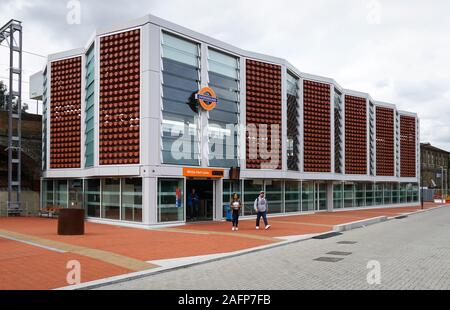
(11, 33)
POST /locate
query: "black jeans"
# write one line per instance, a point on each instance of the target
(264, 216)
(235, 218)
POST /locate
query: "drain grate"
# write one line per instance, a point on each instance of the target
(328, 259)
(347, 242)
(326, 236)
(337, 253)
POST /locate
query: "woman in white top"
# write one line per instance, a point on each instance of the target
(235, 205)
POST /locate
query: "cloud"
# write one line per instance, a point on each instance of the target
(395, 50)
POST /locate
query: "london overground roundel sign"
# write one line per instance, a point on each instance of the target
(207, 98)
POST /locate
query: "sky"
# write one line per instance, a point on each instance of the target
(397, 51)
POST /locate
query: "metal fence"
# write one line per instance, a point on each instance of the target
(429, 194)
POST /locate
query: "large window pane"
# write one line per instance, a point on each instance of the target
(47, 193)
(132, 200)
(111, 199)
(180, 81)
(229, 188)
(274, 196)
(61, 193)
(170, 200)
(252, 189)
(369, 194)
(360, 192)
(92, 197)
(338, 196)
(378, 194)
(387, 194)
(292, 194)
(323, 197)
(395, 193)
(292, 122)
(308, 197)
(349, 195)
(76, 193)
(224, 119)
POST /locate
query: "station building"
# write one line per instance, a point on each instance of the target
(148, 110)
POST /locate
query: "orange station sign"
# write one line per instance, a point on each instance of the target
(204, 173)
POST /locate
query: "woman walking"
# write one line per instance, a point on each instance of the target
(236, 208)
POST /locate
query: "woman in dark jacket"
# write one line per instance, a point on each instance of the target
(235, 206)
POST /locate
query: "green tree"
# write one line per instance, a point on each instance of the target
(2, 95)
(4, 98)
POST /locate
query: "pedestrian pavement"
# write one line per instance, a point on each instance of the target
(410, 253)
(33, 256)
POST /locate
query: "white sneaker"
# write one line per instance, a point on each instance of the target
(236, 229)
(257, 227)
(268, 226)
(233, 229)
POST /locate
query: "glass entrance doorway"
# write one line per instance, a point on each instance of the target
(199, 200)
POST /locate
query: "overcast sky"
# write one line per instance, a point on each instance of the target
(398, 51)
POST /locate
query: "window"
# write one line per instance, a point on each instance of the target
(308, 197)
(292, 196)
(229, 188)
(61, 193)
(90, 95)
(274, 196)
(170, 200)
(292, 122)
(132, 200)
(360, 192)
(224, 119)
(349, 195)
(180, 82)
(252, 189)
(111, 199)
(92, 197)
(338, 196)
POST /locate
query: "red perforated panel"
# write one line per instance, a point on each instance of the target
(355, 135)
(65, 114)
(385, 141)
(317, 129)
(407, 146)
(119, 98)
(263, 106)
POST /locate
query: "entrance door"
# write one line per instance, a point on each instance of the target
(199, 200)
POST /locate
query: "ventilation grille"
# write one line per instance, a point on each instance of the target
(385, 141)
(119, 98)
(317, 130)
(408, 146)
(263, 107)
(65, 114)
(355, 135)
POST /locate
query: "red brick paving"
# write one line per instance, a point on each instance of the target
(27, 267)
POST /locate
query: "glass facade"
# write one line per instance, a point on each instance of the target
(61, 193)
(111, 199)
(322, 197)
(252, 188)
(349, 195)
(90, 95)
(132, 200)
(180, 81)
(338, 196)
(92, 197)
(360, 195)
(224, 119)
(292, 122)
(292, 196)
(170, 200)
(274, 196)
(308, 193)
(229, 188)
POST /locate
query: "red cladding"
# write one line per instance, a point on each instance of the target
(263, 106)
(385, 141)
(407, 146)
(120, 98)
(65, 114)
(355, 135)
(317, 130)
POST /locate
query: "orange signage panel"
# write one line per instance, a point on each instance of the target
(203, 173)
